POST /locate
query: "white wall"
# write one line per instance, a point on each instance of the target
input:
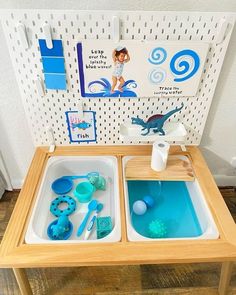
(219, 140)
(15, 140)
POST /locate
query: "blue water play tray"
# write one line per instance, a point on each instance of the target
(173, 206)
(179, 206)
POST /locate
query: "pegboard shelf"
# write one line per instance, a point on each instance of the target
(175, 132)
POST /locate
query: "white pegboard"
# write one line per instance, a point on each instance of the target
(75, 26)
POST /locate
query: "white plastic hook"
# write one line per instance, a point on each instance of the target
(81, 108)
(23, 35)
(223, 24)
(183, 148)
(51, 139)
(48, 36)
(116, 28)
(39, 86)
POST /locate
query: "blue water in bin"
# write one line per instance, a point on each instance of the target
(173, 206)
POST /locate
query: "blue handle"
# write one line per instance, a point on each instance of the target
(91, 223)
(75, 177)
(90, 174)
(83, 224)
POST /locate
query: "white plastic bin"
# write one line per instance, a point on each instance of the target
(205, 219)
(59, 166)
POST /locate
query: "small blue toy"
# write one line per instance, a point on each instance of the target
(155, 122)
(140, 207)
(60, 229)
(149, 201)
(104, 226)
(157, 229)
(54, 209)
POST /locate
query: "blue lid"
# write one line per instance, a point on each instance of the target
(62, 186)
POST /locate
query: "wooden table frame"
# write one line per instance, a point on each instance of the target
(16, 254)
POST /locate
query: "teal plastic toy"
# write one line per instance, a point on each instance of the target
(104, 226)
(157, 229)
(60, 229)
(98, 181)
(84, 191)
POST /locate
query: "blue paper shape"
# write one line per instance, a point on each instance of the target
(55, 81)
(53, 65)
(57, 49)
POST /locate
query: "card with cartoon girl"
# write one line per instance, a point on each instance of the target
(120, 56)
(132, 68)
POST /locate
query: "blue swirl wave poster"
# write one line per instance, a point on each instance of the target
(140, 69)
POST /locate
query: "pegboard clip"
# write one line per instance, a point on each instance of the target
(39, 86)
(48, 36)
(51, 139)
(223, 24)
(81, 106)
(23, 35)
(116, 28)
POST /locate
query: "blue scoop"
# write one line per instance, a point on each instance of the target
(64, 184)
(91, 207)
(90, 174)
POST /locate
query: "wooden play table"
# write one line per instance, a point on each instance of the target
(16, 254)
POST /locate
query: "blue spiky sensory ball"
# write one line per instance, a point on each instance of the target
(157, 229)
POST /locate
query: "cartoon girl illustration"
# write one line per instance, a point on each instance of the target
(120, 56)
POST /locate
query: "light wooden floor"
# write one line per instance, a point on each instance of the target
(194, 279)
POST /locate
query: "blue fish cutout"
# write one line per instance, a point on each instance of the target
(82, 125)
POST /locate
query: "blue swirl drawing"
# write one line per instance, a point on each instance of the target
(157, 76)
(184, 64)
(102, 88)
(157, 56)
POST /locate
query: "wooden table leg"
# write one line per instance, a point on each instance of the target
(22, 281)
(225, 277)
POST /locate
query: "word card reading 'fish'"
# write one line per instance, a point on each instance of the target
(82, 128)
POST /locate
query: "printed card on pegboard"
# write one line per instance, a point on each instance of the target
(140, 69)
(81, 128)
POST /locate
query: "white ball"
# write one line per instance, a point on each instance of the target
(139, 207)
